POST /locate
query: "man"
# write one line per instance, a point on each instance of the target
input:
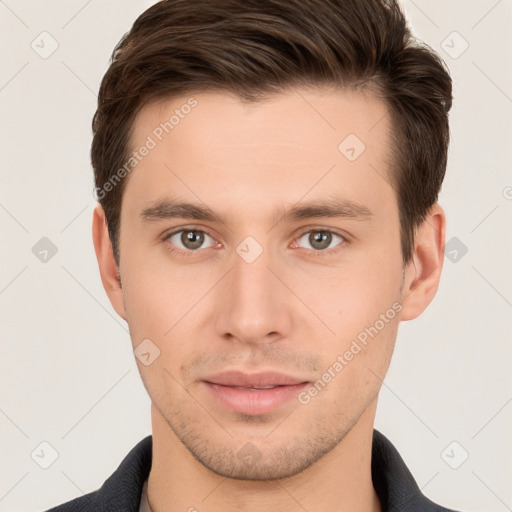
(268, 174)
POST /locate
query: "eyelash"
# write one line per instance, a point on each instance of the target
(315, 253)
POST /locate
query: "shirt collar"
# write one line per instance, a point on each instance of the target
(393, 482)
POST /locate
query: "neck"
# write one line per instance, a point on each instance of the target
(340, 480)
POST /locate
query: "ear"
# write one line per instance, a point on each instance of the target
(106, 261)
(423, 272)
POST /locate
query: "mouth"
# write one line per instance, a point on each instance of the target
(253, 394)
(254, 387)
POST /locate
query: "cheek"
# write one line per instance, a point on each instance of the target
(362, 307)
(151, 300)
(163, 303)
(353, 368)
(152, 286)
(355, 297)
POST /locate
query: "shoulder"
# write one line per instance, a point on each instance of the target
(394, 483)
(84, 503)
(122, 490)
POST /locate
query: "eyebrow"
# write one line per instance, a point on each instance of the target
(168, 208)
(328, 208)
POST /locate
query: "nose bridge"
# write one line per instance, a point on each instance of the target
(253, 303)
(251, 279)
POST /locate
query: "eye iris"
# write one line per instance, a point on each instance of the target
(320, 239)
(192, 239)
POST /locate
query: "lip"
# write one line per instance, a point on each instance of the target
(260, 379)
(251, 393)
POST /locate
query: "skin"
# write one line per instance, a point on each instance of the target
(293, 310)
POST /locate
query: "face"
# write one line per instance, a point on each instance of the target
(260, 255)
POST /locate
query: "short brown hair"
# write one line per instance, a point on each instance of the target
(254, 48)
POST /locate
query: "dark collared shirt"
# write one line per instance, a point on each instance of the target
(122, 491)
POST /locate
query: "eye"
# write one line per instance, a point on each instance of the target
(320, 239)
(190, 239)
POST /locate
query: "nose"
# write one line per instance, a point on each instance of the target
(253, 306)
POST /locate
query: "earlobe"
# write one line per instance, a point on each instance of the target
(108, 268)
(423, 272)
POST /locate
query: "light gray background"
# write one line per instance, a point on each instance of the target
(68, 375)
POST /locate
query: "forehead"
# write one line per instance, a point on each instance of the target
(302, 111)
(304, 141)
